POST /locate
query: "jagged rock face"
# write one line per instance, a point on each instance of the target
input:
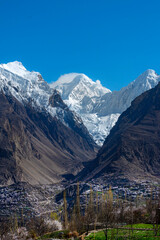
(56, 101)
(132, 149)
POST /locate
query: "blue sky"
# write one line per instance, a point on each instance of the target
(113, 41)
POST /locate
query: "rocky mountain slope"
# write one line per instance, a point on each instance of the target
(98, 106)
(131, 150)
(40, 138)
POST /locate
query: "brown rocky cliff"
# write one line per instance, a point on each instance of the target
(37, 148)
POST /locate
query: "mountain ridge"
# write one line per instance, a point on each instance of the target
(100, 112)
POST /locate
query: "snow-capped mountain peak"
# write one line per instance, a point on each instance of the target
(14, 67)
(149, 72)
(24, 85)
(149, 75)
(79, 91)
(18, 69)
(71, 80)
(68, 78)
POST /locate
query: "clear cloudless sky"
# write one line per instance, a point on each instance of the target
(110, 40)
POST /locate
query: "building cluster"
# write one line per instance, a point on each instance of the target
(24, 200)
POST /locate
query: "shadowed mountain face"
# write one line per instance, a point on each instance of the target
(132, 150)
(38, 148)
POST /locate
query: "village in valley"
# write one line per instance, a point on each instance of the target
(22, 198)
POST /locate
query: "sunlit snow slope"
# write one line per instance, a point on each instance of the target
(98, 107)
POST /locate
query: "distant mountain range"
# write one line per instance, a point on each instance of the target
(41, 140)
(98, 107)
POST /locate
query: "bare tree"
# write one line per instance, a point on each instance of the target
(89, 218)
(65, 210)
(107, 215)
